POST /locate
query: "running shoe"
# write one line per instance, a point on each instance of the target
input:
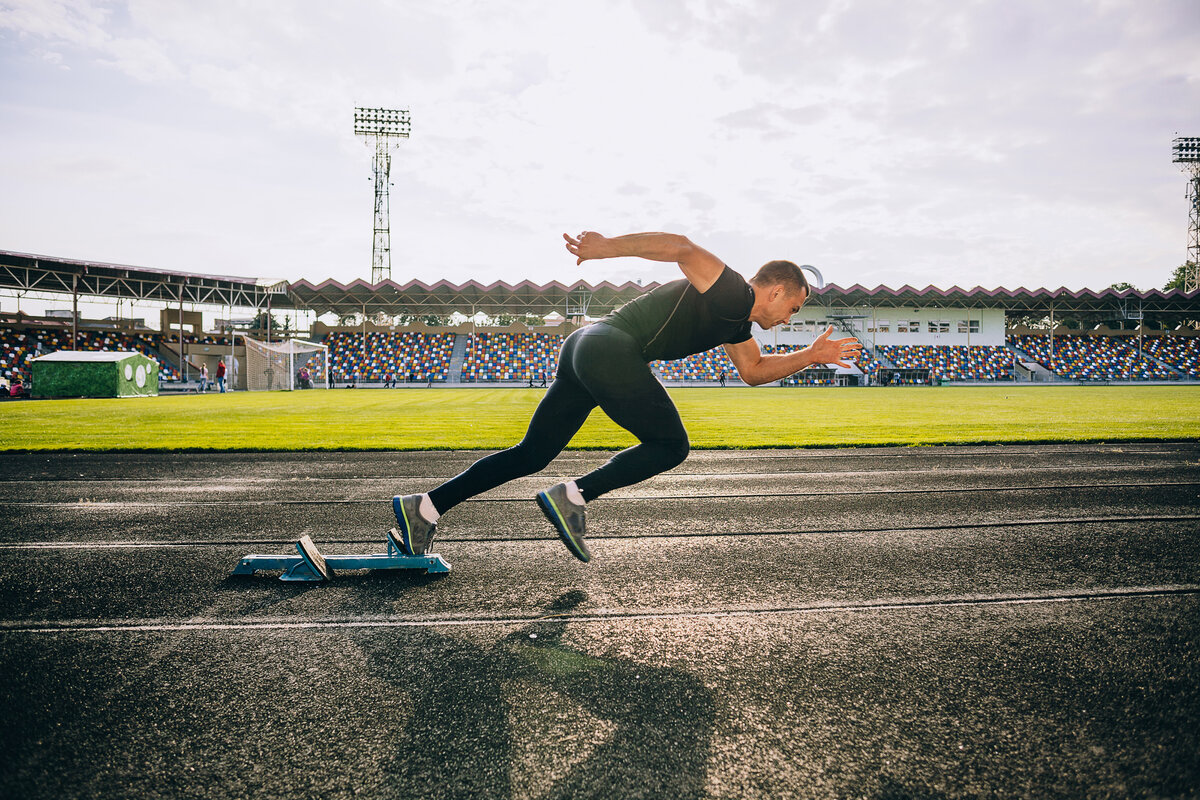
(569, 519)
(416, 533)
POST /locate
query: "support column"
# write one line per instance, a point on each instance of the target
(1052, 332)
(182, 358)
(74, 312)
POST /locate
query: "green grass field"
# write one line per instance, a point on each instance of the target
(418, 419)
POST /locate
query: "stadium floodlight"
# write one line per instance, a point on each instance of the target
(381, 128)
(381, 122)
(1185, 151)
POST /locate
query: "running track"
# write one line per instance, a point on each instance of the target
(885, 623)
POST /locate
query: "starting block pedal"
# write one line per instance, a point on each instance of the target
(310, 565)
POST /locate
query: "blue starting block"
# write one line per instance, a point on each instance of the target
(310, 565)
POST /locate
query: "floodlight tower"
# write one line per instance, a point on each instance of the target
(1186, 153)
(381, 129)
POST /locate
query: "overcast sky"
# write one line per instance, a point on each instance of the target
(1015, 143)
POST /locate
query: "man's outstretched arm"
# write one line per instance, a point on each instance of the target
(756, 369)
(699, 266)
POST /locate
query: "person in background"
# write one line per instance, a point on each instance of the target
(221, 375)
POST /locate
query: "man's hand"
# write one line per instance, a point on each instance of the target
(834, 351)
(588, 245)
(698, 265)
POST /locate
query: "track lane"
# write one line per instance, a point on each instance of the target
(662, 575)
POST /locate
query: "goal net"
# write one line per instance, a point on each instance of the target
(284, 366)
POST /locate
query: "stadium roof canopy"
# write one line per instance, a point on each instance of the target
(33, 273)
(26, 272)
(443, 297)
(1022, 300)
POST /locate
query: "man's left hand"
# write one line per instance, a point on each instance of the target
(834, 351)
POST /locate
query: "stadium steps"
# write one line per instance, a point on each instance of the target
(457, 356)
(1040, 373)
(1166, 365)
(887, 363)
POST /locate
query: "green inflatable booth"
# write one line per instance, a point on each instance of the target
(81, 373)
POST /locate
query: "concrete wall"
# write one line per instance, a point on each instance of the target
(894, 326)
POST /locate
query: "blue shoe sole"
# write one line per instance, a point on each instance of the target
(405, 544)
(547, 506)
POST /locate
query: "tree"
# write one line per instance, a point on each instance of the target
(260, 323)
(1123, 286)
(1177, 279)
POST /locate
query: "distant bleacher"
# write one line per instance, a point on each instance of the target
(500, 356)
(402, 356)
(520, 357)
(1182, 353)
(18, 347)
(867, 362)
(815, 375)
(1099, 358)
(707, 366)
(953, 363)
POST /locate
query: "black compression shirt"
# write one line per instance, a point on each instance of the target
(676, 321)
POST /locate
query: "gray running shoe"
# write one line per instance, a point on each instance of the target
(569, 519)
(415, 536)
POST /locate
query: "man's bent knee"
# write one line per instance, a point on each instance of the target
(532, 457)
(677, 450)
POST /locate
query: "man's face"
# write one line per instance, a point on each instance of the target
(776, 305)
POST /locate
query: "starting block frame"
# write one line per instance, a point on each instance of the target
(298, 568)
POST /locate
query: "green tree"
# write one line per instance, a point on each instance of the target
(260, 323)
(1177, 278)
(1123, 286)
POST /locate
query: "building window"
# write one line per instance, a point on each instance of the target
(968, 326)
(883, 326)
(939, 326)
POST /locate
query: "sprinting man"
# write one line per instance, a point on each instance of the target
(607, 364)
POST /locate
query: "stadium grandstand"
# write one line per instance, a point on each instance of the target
(911, 336)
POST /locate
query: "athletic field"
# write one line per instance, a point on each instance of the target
(446, 418)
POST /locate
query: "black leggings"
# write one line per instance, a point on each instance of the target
(599, 366)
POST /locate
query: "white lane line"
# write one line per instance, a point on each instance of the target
(1019, 523)
(816, 453)
(107, 505)
(272, 624)
(307, 480)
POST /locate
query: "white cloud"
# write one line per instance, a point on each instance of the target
(924, 142)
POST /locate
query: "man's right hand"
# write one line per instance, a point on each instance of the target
(698, 265)
(588, 245)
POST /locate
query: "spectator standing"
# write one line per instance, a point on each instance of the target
(203, 377)
(221, 375)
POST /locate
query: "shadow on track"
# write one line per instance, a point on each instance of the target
(460, 740)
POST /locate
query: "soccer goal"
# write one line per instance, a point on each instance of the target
(284, 366)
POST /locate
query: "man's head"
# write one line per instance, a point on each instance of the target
(780, 289)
